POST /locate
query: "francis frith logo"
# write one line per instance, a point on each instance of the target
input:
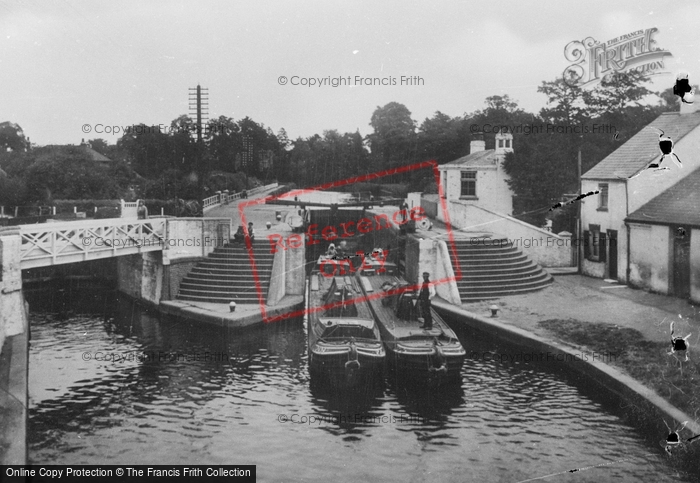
(593, 60)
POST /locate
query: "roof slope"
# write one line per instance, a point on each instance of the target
(643, 147)
(70, 149)
(678, 205)
(94, 155)
(477, 159)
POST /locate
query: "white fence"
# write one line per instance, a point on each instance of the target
(223, 197)
(76, 241)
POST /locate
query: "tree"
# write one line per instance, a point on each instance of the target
(147, 149)
(502, 114)
(393, 142)
(565, 103)
(99, 145)
(442, 138)
(183, 145)
(12, 137)
(68, 172)
(224, 142)
(616, 92)
(13, 191)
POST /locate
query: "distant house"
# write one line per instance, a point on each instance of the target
(94, 155)
(665, 241)
(606, 251)
(83, 148)
(479, 178)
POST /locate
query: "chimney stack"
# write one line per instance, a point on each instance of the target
(689, 108)
(477, 143)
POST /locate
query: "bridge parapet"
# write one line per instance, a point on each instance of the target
(223, 198)
(76, 241)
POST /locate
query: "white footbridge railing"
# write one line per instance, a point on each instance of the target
(223, 197)
(76, 241)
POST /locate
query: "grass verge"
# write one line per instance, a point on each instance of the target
(648, 362)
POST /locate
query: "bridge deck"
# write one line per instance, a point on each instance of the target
(76, 241)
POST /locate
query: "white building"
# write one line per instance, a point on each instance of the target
(605, 232)
(479, 178)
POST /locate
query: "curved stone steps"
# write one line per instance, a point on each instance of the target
(494, 271)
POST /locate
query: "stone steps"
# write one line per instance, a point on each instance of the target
(494, 271)
(226, 275)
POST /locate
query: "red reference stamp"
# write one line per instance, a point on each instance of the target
(346, 230)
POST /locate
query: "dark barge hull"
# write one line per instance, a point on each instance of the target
(410, 350)
(356, 328)
(332, 369)
(416, 367)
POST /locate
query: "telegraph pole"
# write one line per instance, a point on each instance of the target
(199, 110)
(579, 234)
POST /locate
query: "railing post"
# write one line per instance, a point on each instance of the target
(16, 211)
(53, 247)
(75, 210)
(226, 197)
(121, 208)
(218, 197)
(53, 210)
(2, 211)
(162, 211)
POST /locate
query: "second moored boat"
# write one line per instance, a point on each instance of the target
(435, 354)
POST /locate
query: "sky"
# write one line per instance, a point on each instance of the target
(67, 67)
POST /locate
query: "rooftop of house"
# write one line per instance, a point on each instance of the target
(83, 147)
(643, 147)
(678, 205)
(486, 158)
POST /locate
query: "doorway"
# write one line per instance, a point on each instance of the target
(681, 261)
(612, 254)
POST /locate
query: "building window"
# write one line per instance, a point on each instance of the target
(594, 242)
(507, 143)
(468, 183)
(603, 196)
(500, 143)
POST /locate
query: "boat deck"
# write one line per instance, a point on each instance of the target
(318, 289)
(400, 328)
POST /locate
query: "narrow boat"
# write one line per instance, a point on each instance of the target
(344, 340)
(435, 354)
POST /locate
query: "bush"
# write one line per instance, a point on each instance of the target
(13, 191)
(88, 206)
(154, 207)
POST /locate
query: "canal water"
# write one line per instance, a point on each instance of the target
(110, 383)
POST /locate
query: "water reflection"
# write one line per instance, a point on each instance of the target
(252, 401)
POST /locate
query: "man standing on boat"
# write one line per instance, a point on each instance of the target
(427, 292)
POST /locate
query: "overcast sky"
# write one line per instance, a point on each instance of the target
(67, 63)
